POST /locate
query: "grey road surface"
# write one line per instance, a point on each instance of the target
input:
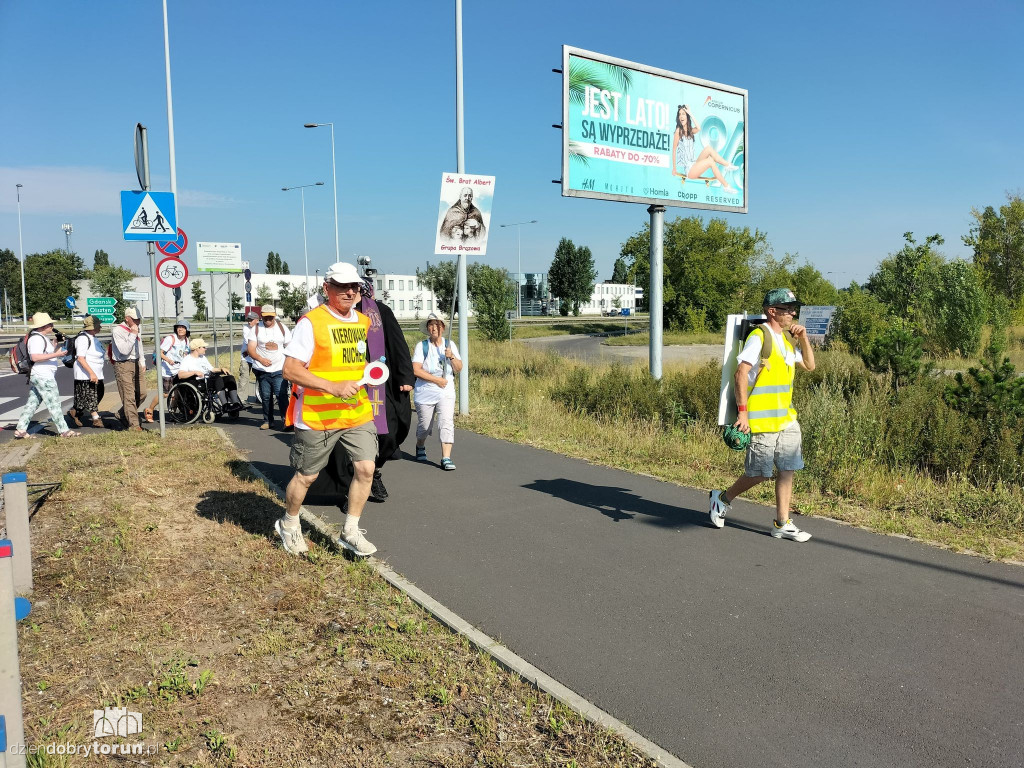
(727, 647)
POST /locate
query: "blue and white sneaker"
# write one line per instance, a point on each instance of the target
(447, 464)
(718, 508)
(421, 453)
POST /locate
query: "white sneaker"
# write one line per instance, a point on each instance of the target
(356, 542)
(788, 531)
(291, 538)
(718, 508)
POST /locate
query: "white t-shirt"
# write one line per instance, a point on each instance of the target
(191, 363)
(427, 392)
(751, 353)
(246, 335)
(41, 345)
(95, 355)
(272, 335)
(176, 349)
(301, 347)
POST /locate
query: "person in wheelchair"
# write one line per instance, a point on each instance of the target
(220, 384)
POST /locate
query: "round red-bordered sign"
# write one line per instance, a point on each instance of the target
(172, 272)
(174, 247)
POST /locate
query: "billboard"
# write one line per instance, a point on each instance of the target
(637, 134)
(464, 214)
(219, 257)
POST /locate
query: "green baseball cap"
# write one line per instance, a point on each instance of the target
(781, 297)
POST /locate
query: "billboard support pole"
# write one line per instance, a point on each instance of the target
(460, 280)
(657, 259)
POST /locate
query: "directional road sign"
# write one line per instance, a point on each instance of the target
(101, 307)
(148, 216)
(69, 302)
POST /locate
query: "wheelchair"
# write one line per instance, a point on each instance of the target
(192, 399)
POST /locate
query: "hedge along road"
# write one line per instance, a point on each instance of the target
(591, 348)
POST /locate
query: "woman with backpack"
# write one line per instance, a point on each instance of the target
(46, 359)
(89, 355)
(435, 361)
(172, 349)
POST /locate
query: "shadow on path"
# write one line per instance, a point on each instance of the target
(618, 503)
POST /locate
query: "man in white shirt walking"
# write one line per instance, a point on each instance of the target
(129, 368)
(266, 348)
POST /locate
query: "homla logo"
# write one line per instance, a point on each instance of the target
(714, 103)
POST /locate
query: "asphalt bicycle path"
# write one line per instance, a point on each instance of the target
(727, 647)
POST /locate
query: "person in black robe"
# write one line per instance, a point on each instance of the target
(394, 418)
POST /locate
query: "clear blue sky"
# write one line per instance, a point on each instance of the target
(866, 120)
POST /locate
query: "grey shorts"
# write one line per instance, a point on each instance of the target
(311, 448)
(775, 450)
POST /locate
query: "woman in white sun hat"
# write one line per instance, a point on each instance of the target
(46, 358)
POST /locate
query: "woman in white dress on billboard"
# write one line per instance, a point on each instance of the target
(688, 165)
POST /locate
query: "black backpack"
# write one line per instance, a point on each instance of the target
(70, 358)
(21, 361)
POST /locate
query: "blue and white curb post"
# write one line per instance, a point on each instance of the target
(16, 508)
(11, 610)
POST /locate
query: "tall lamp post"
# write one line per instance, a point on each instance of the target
(21, 248)
(302, 195)
(334, 173)
(519, 266)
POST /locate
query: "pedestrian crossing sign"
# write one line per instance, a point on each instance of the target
(149, 216)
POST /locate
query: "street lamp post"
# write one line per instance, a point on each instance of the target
(21, 249)
(334, 172)
(302, 195)
(519, 266)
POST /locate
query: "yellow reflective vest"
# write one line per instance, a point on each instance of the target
(769, 402)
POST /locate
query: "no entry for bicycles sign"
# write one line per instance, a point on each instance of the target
(172, 272)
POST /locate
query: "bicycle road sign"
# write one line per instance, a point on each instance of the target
(175, 247)
(171, 272)
(148, 216)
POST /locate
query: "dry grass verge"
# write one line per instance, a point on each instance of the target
(158, 588)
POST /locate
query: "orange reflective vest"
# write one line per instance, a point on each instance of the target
(339, 354)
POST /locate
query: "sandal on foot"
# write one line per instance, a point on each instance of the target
(98, 423)
(71, 433)
(421, 453)
(447, 464)
(148, 415)
(19, 435)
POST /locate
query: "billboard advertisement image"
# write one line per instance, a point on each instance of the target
(637, 134)
(464, 214)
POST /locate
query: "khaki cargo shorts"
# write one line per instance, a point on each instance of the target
(311, 448)
(775, 450)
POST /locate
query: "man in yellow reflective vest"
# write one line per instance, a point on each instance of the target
(766, 367)
(324, 361)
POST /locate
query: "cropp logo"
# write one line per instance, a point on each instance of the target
(707, 101)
